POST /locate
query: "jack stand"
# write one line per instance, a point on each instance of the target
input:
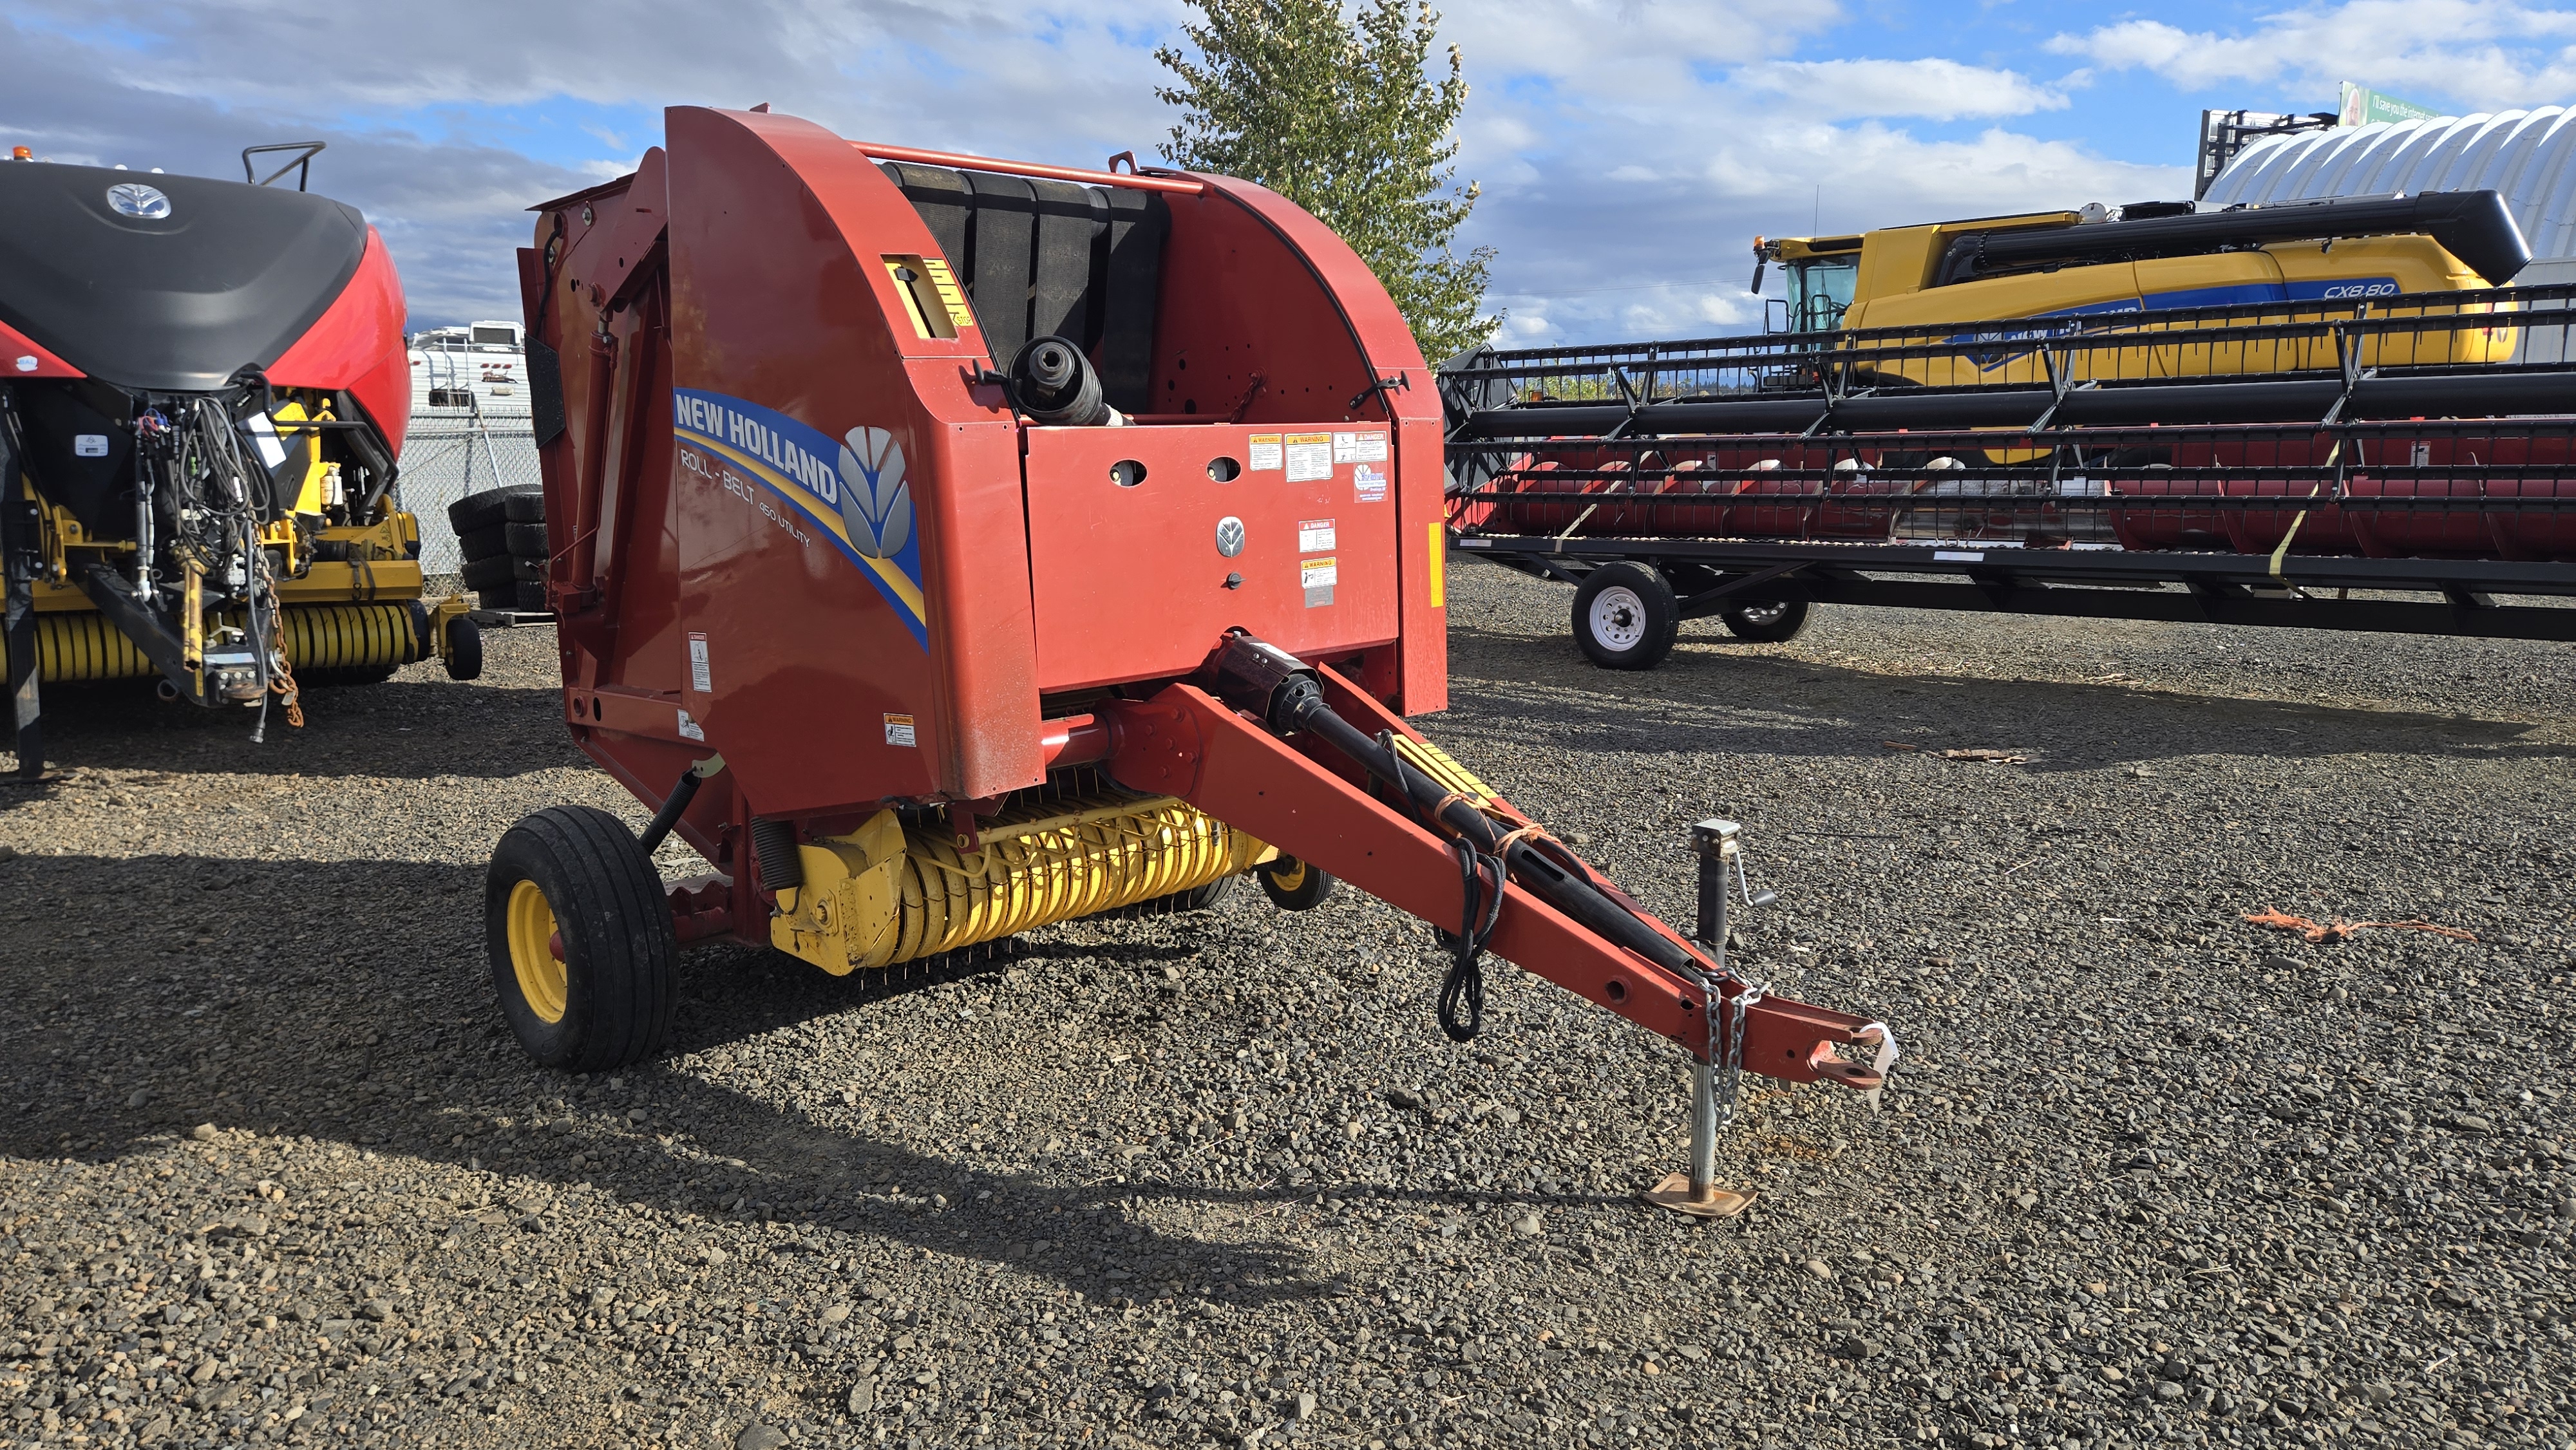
(1696, 1192)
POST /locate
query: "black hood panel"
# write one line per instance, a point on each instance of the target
(231, 277)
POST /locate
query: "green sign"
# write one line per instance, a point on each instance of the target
(2361, 106)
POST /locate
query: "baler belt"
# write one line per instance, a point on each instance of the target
(1060, 281)
(1131, 279)
(1005, 226)
(1038, 257)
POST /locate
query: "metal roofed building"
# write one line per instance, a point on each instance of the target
(2529, 156)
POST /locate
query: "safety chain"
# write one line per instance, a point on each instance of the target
(1747, 996)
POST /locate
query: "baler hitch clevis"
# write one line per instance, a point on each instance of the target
(1262, 741)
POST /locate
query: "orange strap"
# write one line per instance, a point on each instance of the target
(2339, 928)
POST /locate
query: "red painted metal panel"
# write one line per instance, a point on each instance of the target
(1131, 579)
(1325, 311)
(357, 344)
(849, 528)
(22, 358)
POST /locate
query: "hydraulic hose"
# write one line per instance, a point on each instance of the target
(1290, 700)
(677, 803)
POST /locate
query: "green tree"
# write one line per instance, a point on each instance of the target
(1341, 117)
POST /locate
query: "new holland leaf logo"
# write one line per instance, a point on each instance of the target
(875, 505)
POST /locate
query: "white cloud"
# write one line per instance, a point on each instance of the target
(1936, 89)
(1629, 149)
(2481, 55)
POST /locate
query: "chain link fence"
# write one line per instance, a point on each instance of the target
(453, 451)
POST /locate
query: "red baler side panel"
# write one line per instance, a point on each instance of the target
(850, 537)
(1132, 581)
(357, 344)
(1261, 267)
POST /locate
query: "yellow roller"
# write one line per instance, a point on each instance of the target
(75, 647)
(884, 894)
(353, 636)
(72, 647)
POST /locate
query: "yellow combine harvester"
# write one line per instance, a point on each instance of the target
(2068, 273)
(203, 389)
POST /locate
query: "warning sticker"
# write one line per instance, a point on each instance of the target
(899, 731)
(1317, 577)
(1265, 451)
(690, 729)
(1314, 535)
(701, 678)
(1310, 457)
(1359, 448)
(1369, 483)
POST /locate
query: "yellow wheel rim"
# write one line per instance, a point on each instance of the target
(532, 955)
(1288, 874)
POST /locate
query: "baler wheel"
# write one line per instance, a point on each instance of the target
(1294, 885)
(1625, 616)
(1774, 623)
(464, 649)
(584, 959)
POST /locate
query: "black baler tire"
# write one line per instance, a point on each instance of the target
(1652, 596)
(478, 511)
(528, 541)
(1776, 629)
(529, 596)
(1293, 885)
(464, 649)
(1199, 898)
(493, 571)
(490, 541)
(505, 597)
(621, 957)
(526, 505)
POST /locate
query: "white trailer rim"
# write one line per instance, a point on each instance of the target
(1618, 618)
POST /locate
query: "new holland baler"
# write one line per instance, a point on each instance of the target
(946, 547)
(202, 394)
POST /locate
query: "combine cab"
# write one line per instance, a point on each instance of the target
(202, 393)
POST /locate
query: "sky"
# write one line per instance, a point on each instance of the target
(1628, 150)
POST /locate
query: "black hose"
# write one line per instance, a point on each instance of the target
(672, 809)
(1299, 705)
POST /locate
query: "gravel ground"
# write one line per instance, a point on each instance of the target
(271, 1170)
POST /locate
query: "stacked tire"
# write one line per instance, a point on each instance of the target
(502, 533)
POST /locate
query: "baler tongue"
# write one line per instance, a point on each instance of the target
(1267, 744)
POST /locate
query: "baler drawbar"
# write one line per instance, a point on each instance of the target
(948, 547)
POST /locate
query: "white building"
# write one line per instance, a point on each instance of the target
(470, 427)
(2529, 156)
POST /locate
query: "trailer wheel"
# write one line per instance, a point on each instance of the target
(1773, 623)
(1625, 616)
(464, 649)
(1293, 885)
(583, 956)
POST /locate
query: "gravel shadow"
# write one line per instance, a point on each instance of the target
(471, 730)
(1743, 703)
(348, 1035)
